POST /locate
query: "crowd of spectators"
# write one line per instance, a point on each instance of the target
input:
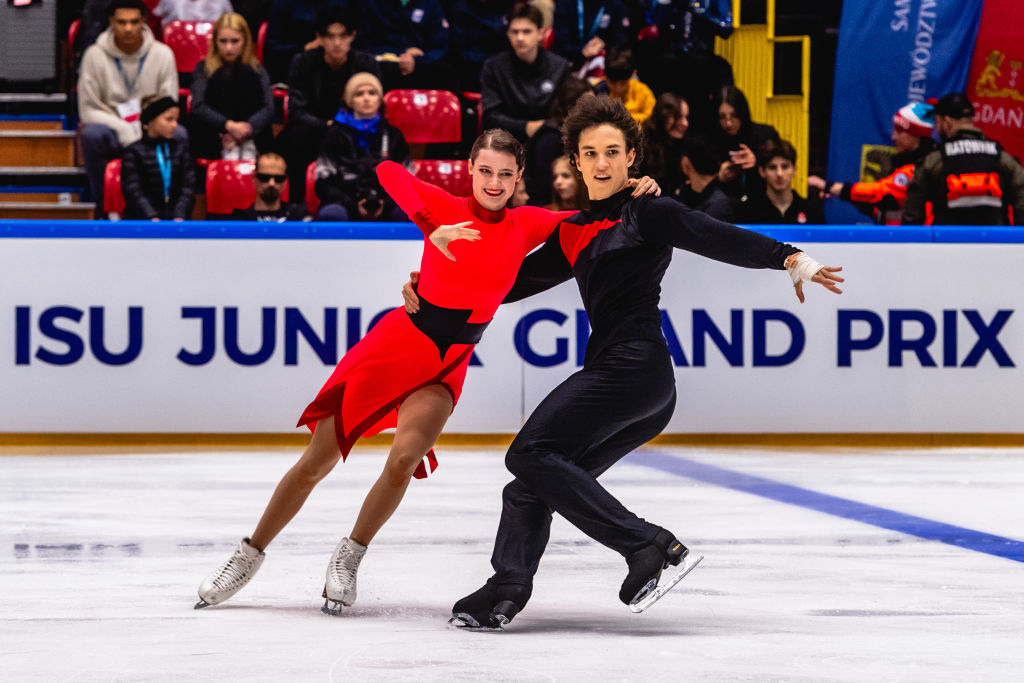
(527, 63)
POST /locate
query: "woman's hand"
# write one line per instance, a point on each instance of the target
(412, 302)
(449, 233)
(727, 172)
(645, 185)
(743, 157)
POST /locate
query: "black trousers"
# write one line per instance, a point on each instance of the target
(617, 402)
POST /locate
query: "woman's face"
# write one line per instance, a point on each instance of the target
(495, 175)
(229, 44)
(728, 119)
(563, 181)
(365, 102)
(604, 160)
(677, 126)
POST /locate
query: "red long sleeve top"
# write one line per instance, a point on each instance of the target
(484, 270)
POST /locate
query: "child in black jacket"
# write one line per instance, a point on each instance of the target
(157, 174)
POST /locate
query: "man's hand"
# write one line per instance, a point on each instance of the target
(407, 60)
(593, 48)
(412, 302)
(802, 268)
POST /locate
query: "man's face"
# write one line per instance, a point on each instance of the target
(127, 26)
(525, 37)
(603, 160)
(269, 178)
(904, 141)
(337, 42)
(779, 174)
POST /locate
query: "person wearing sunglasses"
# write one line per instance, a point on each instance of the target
(269, 179)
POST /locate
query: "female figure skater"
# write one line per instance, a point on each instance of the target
(618, 251)
(406, 372)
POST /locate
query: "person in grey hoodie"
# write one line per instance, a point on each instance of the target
(125, 66)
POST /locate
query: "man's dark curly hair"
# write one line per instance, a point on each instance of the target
(590, 111)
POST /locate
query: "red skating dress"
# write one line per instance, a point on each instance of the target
(404, 353)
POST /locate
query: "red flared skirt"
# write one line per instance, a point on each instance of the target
(391, 362)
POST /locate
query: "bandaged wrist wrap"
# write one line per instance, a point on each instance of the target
(804, 268)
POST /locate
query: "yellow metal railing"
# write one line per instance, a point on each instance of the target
(751, 52)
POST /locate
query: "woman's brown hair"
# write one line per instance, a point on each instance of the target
(499, 140)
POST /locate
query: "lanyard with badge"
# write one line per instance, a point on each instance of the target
(132, 108)
(579, 18)
(129, 85)
(163, 159)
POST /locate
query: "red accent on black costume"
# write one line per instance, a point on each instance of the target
(395, 359)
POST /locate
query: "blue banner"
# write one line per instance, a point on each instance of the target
(890, 53)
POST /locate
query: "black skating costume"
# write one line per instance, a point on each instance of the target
(624, 395)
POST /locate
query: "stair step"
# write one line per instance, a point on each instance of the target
(33, 122)
(33, 103)
(37, 147)
(47, 210)
(34, 176)
(65, 197)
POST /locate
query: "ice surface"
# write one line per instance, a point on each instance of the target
(101, 555)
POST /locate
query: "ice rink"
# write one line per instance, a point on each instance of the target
(821, 565)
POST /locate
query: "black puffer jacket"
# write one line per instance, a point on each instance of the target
(143, 185)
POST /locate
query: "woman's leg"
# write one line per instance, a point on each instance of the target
(421, 418)
(316, 462)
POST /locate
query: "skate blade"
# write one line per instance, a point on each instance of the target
(332, 608)
(690, 561)
(201, 604)
(464, 622)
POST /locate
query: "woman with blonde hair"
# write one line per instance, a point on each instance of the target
(232, 103)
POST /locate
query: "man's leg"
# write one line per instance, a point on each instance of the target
(525, 524)
(99, 146)
(631, 384)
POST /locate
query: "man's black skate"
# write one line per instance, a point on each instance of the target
(473, 612)
(646, 565)
(490, 607)
(510, 599)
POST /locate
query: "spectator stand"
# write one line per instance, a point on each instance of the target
(424, 117)
(190, 42)
(229, 186)
(765, 68)
(451, 175)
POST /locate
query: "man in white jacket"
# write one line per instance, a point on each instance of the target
(124, 69)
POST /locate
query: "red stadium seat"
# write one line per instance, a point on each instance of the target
(229, 186)
(425, 115)
(312, 201)
(190, 41)
(548, 38)
(113, 196)
(261, 41)
(449, 174)
(477, 100)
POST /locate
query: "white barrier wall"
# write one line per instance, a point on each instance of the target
(174, 335)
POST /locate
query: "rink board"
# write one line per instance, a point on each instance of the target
(220, 327)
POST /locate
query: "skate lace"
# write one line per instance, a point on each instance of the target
(236, 570)
(344, 567)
